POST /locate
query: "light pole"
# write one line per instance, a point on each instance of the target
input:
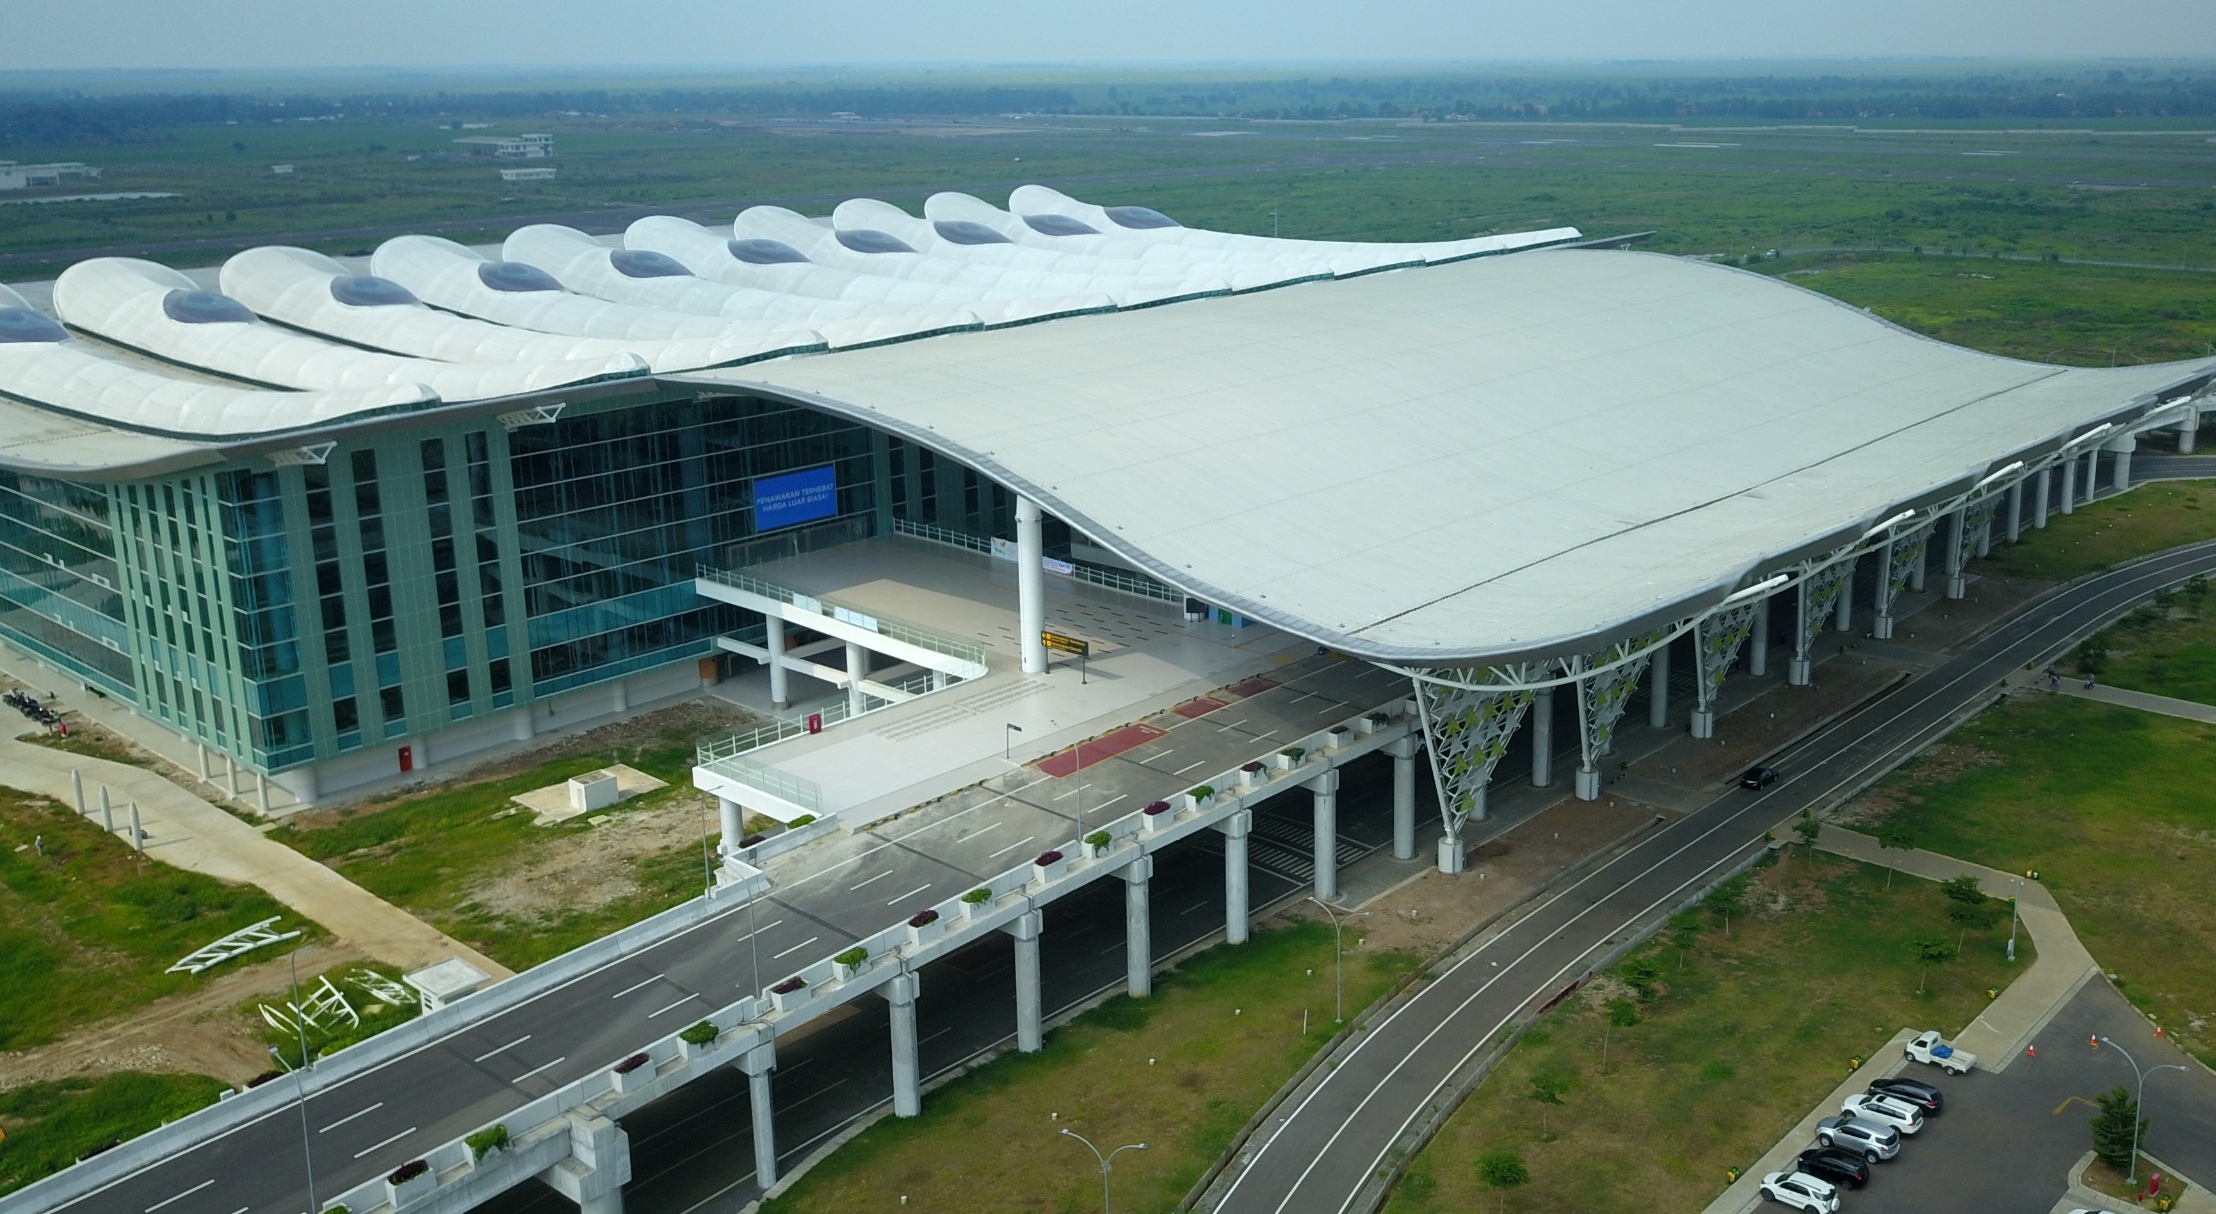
(1008, 742)
(1338, 962)
(2012, 904)
(1105, 1162)
(300, 1079)
(2138, 1102)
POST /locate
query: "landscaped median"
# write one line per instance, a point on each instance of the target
(1712, 1039)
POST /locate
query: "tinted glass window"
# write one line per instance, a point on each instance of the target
(870, 240)
(369, 291)
(22, 324)
(645, 263)
(515, 276)
(205, 308)
(761, 252)
(963, 231)
(1141, 217)
(1060, 225)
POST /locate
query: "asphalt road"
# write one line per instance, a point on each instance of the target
(825, 898)
(1334, 1141)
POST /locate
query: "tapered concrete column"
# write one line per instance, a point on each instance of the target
(773, 636)
(1985, 538)
(1957, 583)
(2015, 531)
(732, 818)
(231, 771)
(1030, 586)
(520, 725)
(261, 793)
(598, 1167)
(1542, 737)
(138, 833)
(2092, 474)
(1842, 608)
(1404, 796)
(77, 788)
(1235, 915)
(107, 811)
(758, 1063)
(2040, 489)
(1025, 928)
(2069, 485)
(1326, 788)
(1882, 627)
(1758, 651)
(2189, 428)
(857, 669)
(2120, 478)
(1658, 686)
(1138, 928)
(619, 698)
(900, 992)
(1916, 569)
(200, 752)
(1452, 859)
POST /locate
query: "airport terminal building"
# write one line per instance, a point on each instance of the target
(339, 520)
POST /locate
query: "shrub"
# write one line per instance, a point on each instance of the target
(1622, 1013)
(1156, 807)
(1295, 753)
(789, 985)
(1047, 857)
(753, 839)
(1642, 973)
(978, 897)
(408, 1171)
(1249, 768)
(1503, 1169)
(336, 1207)
(483, 1142)
(1098, 838)
(926, 917)
(800, 821)
(2115, 1126)
(852, 957)
(628, 1065)
(700, 1034)
(1201, 793)
(264, 1077)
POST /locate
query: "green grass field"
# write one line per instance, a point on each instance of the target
(1737, 1036)
(50, 1125)
(2167, 647)
(88, 927)
(1180, 1071)
(2149, 519)
(2112, 807)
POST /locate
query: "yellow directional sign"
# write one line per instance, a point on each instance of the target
(1056, 641)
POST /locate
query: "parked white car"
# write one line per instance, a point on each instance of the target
(1801, 1191)
(1928, 1047)
(1884, 1110)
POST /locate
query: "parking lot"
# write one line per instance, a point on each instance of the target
(2005, 1143)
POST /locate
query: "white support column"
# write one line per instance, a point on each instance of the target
(731, 817)
(1138, 928)
(900, 992)
(1658, 687)
(77, 788)
(773, 637)
(1758, 645)
(200, 752)
(107, 811)
(598, 1167)
(2092, 474)
(1030, 586)
(2069, 485)
(520, 725)
(619, 701)
(1916, 570)
(1326, 789)
(857, 669)
(2189, 428)
(758, 1063)
(1235, 829)
(261, 792)
(1026, 928)
(138, 833)
(1542, 737)
(1882, 626)
(2040, 490)
(1843, 608)
(2015, 530)
(1957, 583)
(1404, 797)
(231, 773)
(2120, 479)
(1985, 538)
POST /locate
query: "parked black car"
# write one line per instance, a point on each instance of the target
(1758, 778)
(1922, 1095)
(1835, 1164)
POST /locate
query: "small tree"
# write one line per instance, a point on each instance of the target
(1895, 835)
(1727, 899)
(1808, 828)
(1547, 1089)
(2117, 1128)
(1930, 948)
(1622, 1014)
(1502, 1170)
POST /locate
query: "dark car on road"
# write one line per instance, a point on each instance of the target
(1922, 1095)
(1758, 778)
(1835, 1164)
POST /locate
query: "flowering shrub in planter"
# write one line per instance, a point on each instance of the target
(1250, 774)
(1336, 737)
(802, 820)
(976, 902)
(753, 840)
(484, 1142)
(924, 927)
(851, 962)
(632, 1072)
(1049, 865)
(696, 1040)
(1156, 815)
(791, 993)
(1097, 843)
(410, 1182)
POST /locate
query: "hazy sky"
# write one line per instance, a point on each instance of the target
(291, 33)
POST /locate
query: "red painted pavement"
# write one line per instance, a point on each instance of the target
(1108, 746)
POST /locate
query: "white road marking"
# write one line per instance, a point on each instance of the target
(639, 986)
(386, 1143)
(759, 930)
(1011, 847)
(1189, 766)
(672, 1007)
(544, 1066)
(181, 1196)
(1163, 755)
(351, 1116)
(911, 893)
(511, 1045)
(796, 948)
(1112, 800)
(879, 877)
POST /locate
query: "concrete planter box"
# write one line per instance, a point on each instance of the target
(1191, 802)
(977, 910)
(408, 1192)
(1050, 871)
(920, 936)
(1252, 774)
(693, 1053)
(1336, 737)
(787, 1001)
(628, 1082)
(1285, 762)
(847, 973)
(1368, 725)
(1157, 816)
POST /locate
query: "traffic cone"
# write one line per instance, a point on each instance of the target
(2093, 1041)
(2032, 1050)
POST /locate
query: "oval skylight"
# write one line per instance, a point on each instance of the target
(1060, 225)
(870, 240)
(516, 276)
(967, 231)
(24, 325)
(370, 291)
(205, 308)
(1140, 217)
(646, 263)
(761, 251)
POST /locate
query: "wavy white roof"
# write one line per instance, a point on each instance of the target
(158, 311)
(55, 371)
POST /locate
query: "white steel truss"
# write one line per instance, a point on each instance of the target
(1819, 592)
(244, 940)
(1610, 676)
(1908, 550)
(1716, 643)
(1466, 731)
(1976, 516)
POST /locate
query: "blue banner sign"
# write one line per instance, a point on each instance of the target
(796, 497)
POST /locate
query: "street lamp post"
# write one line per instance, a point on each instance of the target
(1008, 742)
(2138, 1102)
(1105, 1162)
(1338, 962)
(2012, 917)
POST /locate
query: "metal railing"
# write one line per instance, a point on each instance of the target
(892, 629)
(798, 541)
(781, 728)
(942, 535)
(784, 785)
(1119, 580)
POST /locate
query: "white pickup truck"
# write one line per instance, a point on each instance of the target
(1927, 1047)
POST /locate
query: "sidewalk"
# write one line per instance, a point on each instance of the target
(2144, 701)
(2061, 967)
(187, 832)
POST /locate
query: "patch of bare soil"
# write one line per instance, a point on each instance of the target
(700, 720)
(1432, 911)
(1941, 764)
(589, 870)
(202, 1032)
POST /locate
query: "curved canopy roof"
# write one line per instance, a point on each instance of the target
(1516, 456)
